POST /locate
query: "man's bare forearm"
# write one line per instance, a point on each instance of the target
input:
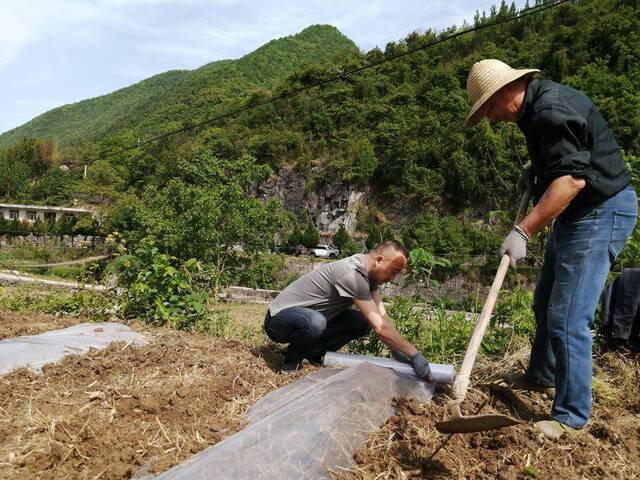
(376, 315)
(392, 338)
(554, 201)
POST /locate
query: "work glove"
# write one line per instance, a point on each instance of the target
(515, 245)
(401, 357)
(421, 367)
(527, 178)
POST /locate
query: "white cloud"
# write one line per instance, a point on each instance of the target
(202, 54)
(24, 23)
(15, 32)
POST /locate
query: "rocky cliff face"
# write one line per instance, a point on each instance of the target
(331, 205)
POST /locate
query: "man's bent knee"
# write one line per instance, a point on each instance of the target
(316, 325)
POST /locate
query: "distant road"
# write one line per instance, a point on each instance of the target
(68, 262)
(11, 277)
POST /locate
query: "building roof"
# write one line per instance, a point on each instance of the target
(49, 208)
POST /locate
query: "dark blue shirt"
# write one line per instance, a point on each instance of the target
(566, 135)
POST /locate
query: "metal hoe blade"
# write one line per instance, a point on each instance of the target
(474, 423)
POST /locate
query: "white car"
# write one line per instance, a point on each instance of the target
(324, 251)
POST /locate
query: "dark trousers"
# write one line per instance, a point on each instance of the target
(310, 335)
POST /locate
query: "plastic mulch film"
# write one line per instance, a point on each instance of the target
(34, 351)
(306, 429)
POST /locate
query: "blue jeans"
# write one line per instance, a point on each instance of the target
(310, 335)
(578, 256)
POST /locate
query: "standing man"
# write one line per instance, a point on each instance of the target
(579, 180)
(313, 316)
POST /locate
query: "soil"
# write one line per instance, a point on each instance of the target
(16, 324)
(127, 410)
(409, 446)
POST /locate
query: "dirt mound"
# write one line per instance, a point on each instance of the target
(409, 446)
(16, 324)
(115, 412)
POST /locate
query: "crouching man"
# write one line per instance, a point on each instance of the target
(314, 315)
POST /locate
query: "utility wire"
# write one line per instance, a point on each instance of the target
(320, 83)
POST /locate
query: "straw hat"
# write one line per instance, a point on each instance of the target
(486, 78)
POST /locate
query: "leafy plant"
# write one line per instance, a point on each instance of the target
(217, 324)
(422, 264)
(443, 336)
(160, 289)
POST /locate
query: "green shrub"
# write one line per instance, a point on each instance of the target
(217, 324)
(451, 236)
(436, 234)
(513, 323)
(423, 264)
(310, 236)
(160, 289)
(341, 238)
(347, 245)
(443, 337)
(351, 247)
(261, 271)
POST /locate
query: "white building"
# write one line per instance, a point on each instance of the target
(30, 213)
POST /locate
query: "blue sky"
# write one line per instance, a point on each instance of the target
(54, 52)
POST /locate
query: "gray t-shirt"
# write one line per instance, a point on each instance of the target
(329, 289)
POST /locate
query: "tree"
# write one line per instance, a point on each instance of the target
(364, 162)
(205, 213)
(310, 235)
(341, 238)
(345, 243)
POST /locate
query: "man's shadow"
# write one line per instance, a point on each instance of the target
(271, 353)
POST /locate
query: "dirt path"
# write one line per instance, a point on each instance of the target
(409, 446)
(12, 278)
(16, 324)
(115, 412)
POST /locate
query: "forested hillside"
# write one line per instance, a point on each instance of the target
(173, 98)
(396, 131)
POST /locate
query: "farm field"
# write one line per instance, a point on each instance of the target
(130, 411)
(124, 410)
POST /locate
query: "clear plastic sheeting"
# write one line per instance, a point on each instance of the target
(34, 351)
(307, 428)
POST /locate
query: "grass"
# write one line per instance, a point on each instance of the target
(443, 336)
(95, 306)
(15, 257)
(238, 321)
(439, 334)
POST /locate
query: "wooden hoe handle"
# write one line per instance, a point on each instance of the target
(461, 383)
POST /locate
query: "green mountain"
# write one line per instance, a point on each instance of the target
(396, 131)
(177, 96)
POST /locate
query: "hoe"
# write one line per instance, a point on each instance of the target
(458, 423)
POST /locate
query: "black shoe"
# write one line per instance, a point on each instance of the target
(314, 359)
(291, 363)
(288, 367)
(519, 381)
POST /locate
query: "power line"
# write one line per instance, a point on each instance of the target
(291, 93)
